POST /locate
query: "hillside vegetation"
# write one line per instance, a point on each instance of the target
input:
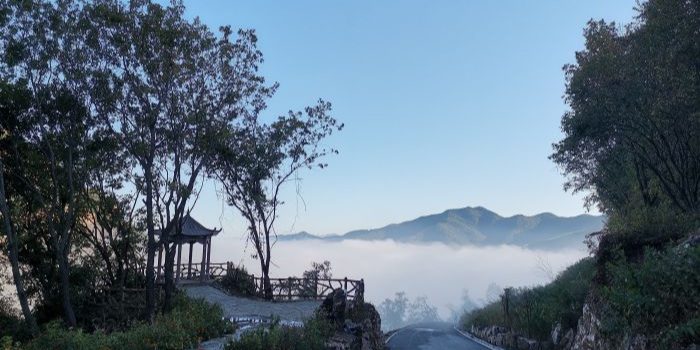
(632, 142)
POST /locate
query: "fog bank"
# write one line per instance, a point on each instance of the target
(437, 271)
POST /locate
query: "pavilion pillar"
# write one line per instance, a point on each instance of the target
(179, 258)
(208, 255)
(204, 261)
(160, 260)
(189, 263)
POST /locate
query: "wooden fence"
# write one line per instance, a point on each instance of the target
(293, 288)
(215, 270)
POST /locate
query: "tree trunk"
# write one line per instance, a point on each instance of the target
(64, 275)
(267, 286)
(151, 245)
(13, 255)
(169, 280)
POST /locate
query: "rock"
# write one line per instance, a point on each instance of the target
(556, 334)
(341, 341)
(367, 318)
(358, 324)
(690, 242)
(568, 339)
(587, 333)
(334, 307)
(523, 343)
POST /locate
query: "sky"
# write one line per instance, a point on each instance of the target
(446, 104)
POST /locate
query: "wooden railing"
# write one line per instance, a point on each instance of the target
(215, 270)
(293, 288)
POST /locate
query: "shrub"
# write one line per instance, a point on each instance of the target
(237, 281)
(191, 321)
(11, 323)
(657, 296)
(533, 311)
(312, 336)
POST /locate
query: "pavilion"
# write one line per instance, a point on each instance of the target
(191, 232)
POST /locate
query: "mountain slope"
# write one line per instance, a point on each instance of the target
(480, 226)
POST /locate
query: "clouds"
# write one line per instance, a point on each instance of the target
(436, 271)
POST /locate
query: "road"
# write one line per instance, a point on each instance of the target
(431, 336)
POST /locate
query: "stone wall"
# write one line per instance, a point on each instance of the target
(504, 338)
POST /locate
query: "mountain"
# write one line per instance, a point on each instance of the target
(479, 226)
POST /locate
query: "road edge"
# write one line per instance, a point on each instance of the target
(393, 334)
(477, 340)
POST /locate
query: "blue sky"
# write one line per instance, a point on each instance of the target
(446, 103)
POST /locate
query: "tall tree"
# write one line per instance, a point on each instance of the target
(42, 51)
(13, 102)
(632, 136)
(169, 89)
(260, 159)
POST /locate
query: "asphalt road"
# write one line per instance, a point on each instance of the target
(431, 336)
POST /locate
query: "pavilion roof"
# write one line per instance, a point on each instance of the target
(192, 228)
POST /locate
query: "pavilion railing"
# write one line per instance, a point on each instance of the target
(215, 270)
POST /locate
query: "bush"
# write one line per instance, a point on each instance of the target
(312, 336)
(658, 297)
(237, 281)
(533, 311)
(11, 322)
(191, 321)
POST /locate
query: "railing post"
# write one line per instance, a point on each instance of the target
(362, 290)
(346, 285)
(289, 286)
(315, 287)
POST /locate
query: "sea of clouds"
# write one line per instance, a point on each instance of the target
(437, 271)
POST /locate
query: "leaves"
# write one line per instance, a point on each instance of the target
(632, 131)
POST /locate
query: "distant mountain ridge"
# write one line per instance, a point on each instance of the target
(479, 226)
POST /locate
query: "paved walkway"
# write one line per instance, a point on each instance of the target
(432, 336)
(237, 307)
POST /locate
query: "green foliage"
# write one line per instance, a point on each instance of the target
(237, 281)
(632, 130)
(191, 321)
(318, 271)
(312, 336)
(489, 315)
(11, 324)
(657, 296)
(533, 311)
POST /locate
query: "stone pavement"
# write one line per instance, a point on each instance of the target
(237, 307)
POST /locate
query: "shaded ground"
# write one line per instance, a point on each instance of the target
(236, 307)
(431, 336)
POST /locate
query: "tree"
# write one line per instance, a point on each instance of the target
(41, 54)
(466, 305)
(13, 102)
(393, 311)
(259, 159)
(632, 136)
(400, 311)
(319, 271)
(421, 311)
(170, 92)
